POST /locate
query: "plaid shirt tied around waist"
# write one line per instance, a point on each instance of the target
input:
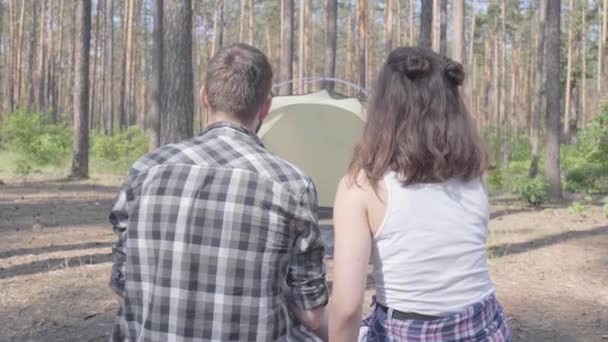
(216, 238)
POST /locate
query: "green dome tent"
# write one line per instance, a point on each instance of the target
(316, 132)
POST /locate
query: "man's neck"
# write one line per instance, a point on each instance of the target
(222, 117)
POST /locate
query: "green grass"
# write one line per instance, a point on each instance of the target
(9, 164)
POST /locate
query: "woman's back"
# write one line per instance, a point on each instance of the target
(429, 253)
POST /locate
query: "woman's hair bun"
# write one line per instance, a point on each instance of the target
(454, 72)
(413, 66)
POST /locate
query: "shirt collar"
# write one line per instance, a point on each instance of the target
(234, 130)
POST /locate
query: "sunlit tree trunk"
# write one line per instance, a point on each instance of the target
(552, 124)
(331, 31)
(538, 91)
(80, 160)
(425, 38)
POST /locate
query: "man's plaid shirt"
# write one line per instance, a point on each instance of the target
(216, 238)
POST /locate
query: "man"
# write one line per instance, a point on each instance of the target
(217, 237)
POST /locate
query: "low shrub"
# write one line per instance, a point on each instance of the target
(530, 190)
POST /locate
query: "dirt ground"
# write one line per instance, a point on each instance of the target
(550, 266)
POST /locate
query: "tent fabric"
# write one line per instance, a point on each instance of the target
(317, 133)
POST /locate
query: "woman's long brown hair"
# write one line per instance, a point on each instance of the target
(417, 123)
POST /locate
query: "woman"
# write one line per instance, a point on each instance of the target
(414, 203)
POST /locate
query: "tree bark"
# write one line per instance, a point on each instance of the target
(287, 47)
(109, 103)
(2, 62)
(538, 91)
(412, 34)
(552, 125)
(362, 38)
(331, 38)
(93, 77)
(218, 27)
(443, 27)
(19, 64)
(177, 102)
(31, 73)
(569, 73)
(80, 160)
(583, 42)
(426, 24)
(388, 25)
(436, 24)
(399, 23)
(156, 79)
(40, 105)
(251, 23)
(122, 109)
(10, 88)
(242, 20)
(301, 34)
(349, 46)
(458, 47)
(602, 39)
(503, 130)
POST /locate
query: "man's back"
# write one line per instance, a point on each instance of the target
(221, 236)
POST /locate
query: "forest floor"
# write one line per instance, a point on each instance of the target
(550, 266)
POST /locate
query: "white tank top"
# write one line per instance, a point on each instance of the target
(429, 254)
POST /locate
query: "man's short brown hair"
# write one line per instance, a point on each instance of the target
(238, 81)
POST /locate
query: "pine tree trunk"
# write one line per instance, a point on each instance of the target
(10, 82)
(459, 41)
(399, 24)
(425, 38)
(129, 74)
(443, 28)
(40, 105)
(388, 25)
(156, 79)
(122, 110)
(436, 24)
(362, 38)
(331, 31)
(287, 46)
(552, 125)
(57, 70)
(218, 26)
(602, 39)
(80, 160)
(569, 73)
(31, 73)
(109, 103)
(251, 23)
(242, 20)
(301, 34)
(2, 62)
(503, 130)
(411, 22)
(177, 105)
(19, 65)
(583, 42)
(349, 47)
(93, 77)
(538, 91)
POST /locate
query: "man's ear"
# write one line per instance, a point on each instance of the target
(203, 95)
(265, 109)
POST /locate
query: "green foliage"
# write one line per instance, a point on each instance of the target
(120, 150)
(532, 191)
(605, 209)
(577, 208)
(39, 143)
(586, 162)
